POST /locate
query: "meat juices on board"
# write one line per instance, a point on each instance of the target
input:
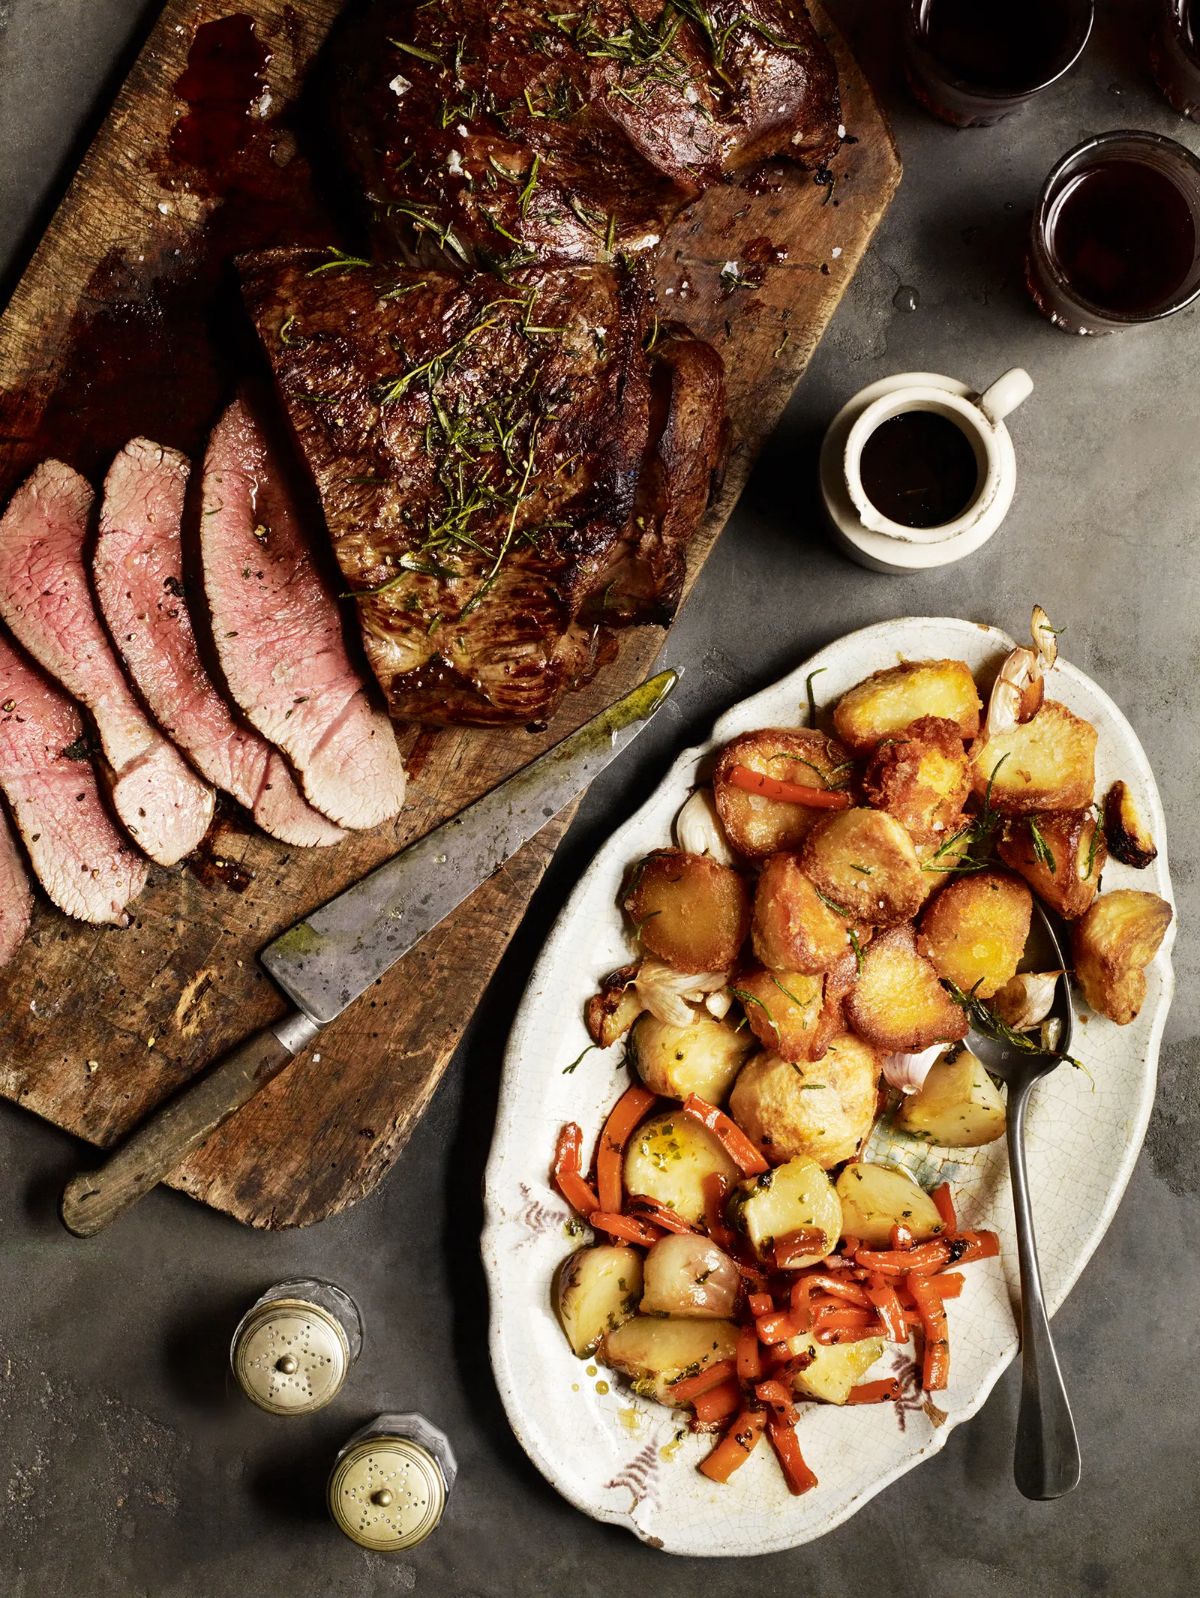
(16, 895)
(47, 602)
(138, 571)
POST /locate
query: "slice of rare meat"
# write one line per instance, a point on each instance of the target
(16, 895)
(138, 572)
(46, 600)
(81, 860)
(278, 633)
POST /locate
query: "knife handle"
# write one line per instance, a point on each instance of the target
(93, 1199)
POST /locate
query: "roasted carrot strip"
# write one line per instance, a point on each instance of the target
(945, 1208)
(749, 1360)
(793, 1248)
(760, 1303)
(626, 1227)
(755, 1280)
(623, 1117)
(689, 1387)
(924, 1258)
(948, 1285)
(716, 1190)
(794, 793)
(935, 1363)
(827, 1316)
(786, 1444)
(778, 1400)
(849, 1334)
(648, 1209)
(902, 1236)
(735, 1447)
(881, 1392)
(718, 1402)
(566, 1171)
(777, 1327)
(744, 1153)
(979, 1246)
(852, 1292)
(802, 1292)
(891, 1311)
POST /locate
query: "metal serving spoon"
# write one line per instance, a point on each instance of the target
(1046, 1456)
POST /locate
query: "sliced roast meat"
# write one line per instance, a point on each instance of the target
(138, 573)
(16, 895)
(81, 860)
(278, 633)
(46, 600)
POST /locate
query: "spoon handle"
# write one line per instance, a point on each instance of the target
(1046, 1457)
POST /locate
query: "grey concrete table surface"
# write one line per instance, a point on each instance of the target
(127, 1464)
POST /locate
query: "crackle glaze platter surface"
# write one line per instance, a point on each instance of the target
(619, 1457)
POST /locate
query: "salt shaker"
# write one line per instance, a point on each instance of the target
(391, 1482)
(294, 1346)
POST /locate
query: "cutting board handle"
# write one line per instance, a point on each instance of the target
(93, 1199)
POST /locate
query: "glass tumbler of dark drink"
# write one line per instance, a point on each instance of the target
(1115, 241)
(972, 62)
(1175, 55)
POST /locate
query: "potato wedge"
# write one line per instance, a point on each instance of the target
(609, 1014)
(958, 1105)
(1128, 838)
(1047, 763)
(875, 1198)
(689, 910)
(794, 1197)
(1113, 944)
(823, 1108)
(864, 863)
(975, 932)
(792, 928)
(888, 702)
(674, 1061)
(668, 1158)
(898, 1004)
(756, 826)
(1060, 853)
(786, 1012)
(654, 1352)
(922, 778)
(835, 1368)
(596, 1290)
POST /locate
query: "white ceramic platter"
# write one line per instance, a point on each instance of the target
(616, 1456)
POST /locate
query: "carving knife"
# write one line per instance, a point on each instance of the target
(335, 954)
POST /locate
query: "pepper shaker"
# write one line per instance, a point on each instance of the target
(294, 1346)
(391, 1482)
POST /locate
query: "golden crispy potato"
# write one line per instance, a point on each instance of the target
(702, 1058)
(1060, 853)
(786, 1011)
(1114, 943)
(958, 1105)
(976, 931)
(898, 1004)
(877, 1197)
(757, 826)
(596, 1290)
(922, 778)
(794, 1197)
(943, 862)
(889, 701)
(864, 863)
(823, 1108)
(1047, 763)
(689, 910)
(668, 1158)
(793, 929)
(609, 1014)
(655, 1351)
(1126, 832)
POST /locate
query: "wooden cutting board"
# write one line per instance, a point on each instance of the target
(107, 335)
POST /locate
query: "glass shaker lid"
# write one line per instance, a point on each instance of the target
(291, 1356)
(387, 1493)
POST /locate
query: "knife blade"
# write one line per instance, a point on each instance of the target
(329, 959)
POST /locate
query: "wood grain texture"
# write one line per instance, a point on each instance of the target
(97, 1027)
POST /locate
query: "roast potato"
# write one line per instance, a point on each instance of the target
(922, 778)
(609, 1014)
(944, 860)
(1060, 853)
(976, 930)
(757, 826)
(1113, 944)
(668, 1158)
(898, 1004)
(786, 1011)
(596, 1289)
(835, 1369)
(958, 1106)
(794, 1197)
(1046, 763)
(864, 863)
(823, 1108)
(654, 1352)
(792, 928)
(674, 1061)
(688, 1275)
(889, 701)
(1128, 837)
(690, 911)
(875, 1198)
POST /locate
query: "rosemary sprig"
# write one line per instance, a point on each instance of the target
(418, 50)
(808, 690)
(857, 947)
(1042, 852)
(752, 998)
(341, 262)
(832, 904)
(1093, 843)
(568, 1069)
(984, 1019)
